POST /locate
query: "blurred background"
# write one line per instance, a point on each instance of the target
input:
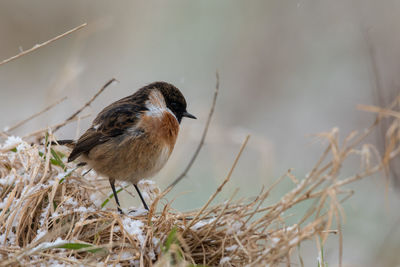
(288, 69)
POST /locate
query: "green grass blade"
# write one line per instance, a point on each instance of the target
(79, 246)
(56, 160)
(171, 239)
(110, 197)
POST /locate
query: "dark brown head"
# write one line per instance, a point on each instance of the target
(174, 99)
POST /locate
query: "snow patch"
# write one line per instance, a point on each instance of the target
(45, 245)
(71, 201)
(134, 227)
(62, 175)
(145, 182)
(275, 240)
(11, 142)
(8, 180)
(126, 255)
(84, 209)
(23, 146)
(40, 234)
(235, 227)
(137, 212)
(231, 248)
(224, 260)
(200, 224)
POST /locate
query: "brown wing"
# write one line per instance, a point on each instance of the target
(112, 121)
(86, 142)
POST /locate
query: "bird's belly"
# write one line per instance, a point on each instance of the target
(159, 159)
(130, 159)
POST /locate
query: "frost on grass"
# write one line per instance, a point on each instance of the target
(52, 213)
(40, 197)
(11, 142)
(134, 228)
(231, 248)
(225, 260)
(46, 245)
(202, 223)
(149, 190)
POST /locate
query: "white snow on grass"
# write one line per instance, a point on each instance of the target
(126, 255)
(132, 211)
(23, 146)
(145, 181)
(200, 224)
(62, 175)
(40, 234)
(293, 228)
(134, 227)
(46, 245)
(11, 142)
(56, 263)
(71, 201)
(231, 248)
(44, 214)
(8, 180)
(60, 210)
(235, 227)
(275, 240)
(224, 260)
(155, 241)
(84, 209)
(149, 190)
(10, 240)
(152, 255)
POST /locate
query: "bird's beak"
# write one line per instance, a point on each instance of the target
(188, 115)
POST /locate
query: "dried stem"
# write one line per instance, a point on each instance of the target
(203, 137)
(73, 116)
(35, 115)
(228, 177)
(37, 46)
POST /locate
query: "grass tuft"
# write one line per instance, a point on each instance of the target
(51, 213)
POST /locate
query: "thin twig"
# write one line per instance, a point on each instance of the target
(384, 111)
(86, 105)
(228, 177)
(37, 46)
(203, 137)
(35, 115)
(38, 132)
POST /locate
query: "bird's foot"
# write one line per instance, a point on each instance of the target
(120, 211)
(138, 212)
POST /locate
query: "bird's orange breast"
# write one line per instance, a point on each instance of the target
(161, 129)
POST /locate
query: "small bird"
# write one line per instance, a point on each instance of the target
(132, 138)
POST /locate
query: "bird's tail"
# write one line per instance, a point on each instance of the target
(71, 144)
(66, 142)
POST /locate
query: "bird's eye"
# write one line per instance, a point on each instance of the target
(174, 104)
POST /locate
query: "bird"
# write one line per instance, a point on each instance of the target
(133, 138)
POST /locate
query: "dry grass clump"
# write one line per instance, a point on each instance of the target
(50, 213)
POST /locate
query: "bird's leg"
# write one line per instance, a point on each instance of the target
(112, 183)
(141, 197)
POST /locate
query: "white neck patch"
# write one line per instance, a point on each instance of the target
(156, 105)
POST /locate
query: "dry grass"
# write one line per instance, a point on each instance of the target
(51, 213)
